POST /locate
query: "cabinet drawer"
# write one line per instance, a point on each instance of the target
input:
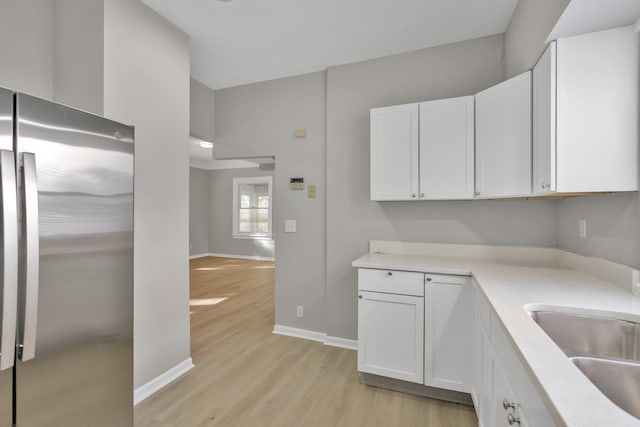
(391, 281)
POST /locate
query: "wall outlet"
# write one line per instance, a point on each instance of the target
(289, 225)
(300, 311)
(583, 229)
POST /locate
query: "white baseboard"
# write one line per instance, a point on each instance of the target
(146, 390)
(299, 333)
(198, 256)
(315, 336)
(341, 342)
(255, 258)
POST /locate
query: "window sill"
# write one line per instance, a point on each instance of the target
(245, 236)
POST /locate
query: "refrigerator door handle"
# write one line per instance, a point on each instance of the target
(9, 258)
(32, 260)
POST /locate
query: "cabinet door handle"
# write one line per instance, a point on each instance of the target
(512, 420)
(421, 194)
(428, 279)
(506, 404)
(413, 195)
(360, 296)
(389, 273)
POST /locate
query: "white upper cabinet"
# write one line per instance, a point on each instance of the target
(503, 139)
(423, 151)
(394, 152)
(446, 148)
(586, 113)
(544, 123)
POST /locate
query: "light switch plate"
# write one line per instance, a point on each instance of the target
(289, 225)
(311, 191)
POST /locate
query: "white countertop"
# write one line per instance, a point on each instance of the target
(509, 285)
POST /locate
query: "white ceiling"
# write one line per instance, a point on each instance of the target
(586, 16)
(245, 41)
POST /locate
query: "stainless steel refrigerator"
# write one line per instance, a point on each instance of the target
(66, 266)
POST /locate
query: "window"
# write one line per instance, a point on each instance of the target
(252, 203)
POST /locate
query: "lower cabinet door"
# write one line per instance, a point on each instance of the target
(390, 335)
(504, 405)
(447, 332)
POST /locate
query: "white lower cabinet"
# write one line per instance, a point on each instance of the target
(391, 325)
(415, 327)
(447, 337)
(502, 392)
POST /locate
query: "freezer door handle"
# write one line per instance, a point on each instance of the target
(32, 259)
(9, 258)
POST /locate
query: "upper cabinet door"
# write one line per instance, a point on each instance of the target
(544, 123)
(598, 111)
(394, 152)
(503, 139)
(446, 148)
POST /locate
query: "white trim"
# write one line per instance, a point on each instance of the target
(299, 333)
(146, 390)
(316, 336)
(255, 258)
(253, 237)
(341, 342)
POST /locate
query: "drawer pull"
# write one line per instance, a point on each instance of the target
(389, 273)
(506, 405)
(512, 420)
(360, 296)
(428, 279)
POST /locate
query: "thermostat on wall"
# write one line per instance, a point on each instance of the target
(296, 184)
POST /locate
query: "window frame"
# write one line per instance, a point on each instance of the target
(235, 214)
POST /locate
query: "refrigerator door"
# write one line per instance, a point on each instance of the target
(6, 143)
(75, 330)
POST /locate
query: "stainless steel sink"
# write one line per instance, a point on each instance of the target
(605, 349)
(618, 380)
(580, 335)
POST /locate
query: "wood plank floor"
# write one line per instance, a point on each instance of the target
(247, 376)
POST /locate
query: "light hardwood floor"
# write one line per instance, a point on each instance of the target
(247, 376)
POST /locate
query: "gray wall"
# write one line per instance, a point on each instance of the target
(201, 111)
(259, 119)
(613, 226)
(524, 40)
(146, 83)
(78, 60)
(612, 220)
(199, 216)
(352, 219)
(220, 188)
(26, 46)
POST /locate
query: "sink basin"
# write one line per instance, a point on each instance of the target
(618, 380)
(581, 335)
(605, 349)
